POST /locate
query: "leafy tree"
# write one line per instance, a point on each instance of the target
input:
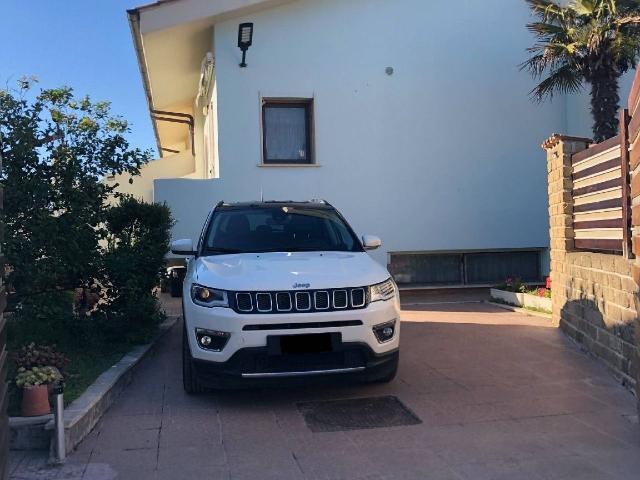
(56, 148)
(592, 41)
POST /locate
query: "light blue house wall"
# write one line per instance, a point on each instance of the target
(442, 155)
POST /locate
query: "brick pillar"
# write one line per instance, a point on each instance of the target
(559, 149)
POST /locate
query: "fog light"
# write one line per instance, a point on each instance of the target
(385, 332)
(212, 340)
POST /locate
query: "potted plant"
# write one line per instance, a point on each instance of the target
(34, 365)
(539, 298)
(510, 292)
(514, 292)
(35, 392)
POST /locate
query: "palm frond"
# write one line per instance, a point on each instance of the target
(547, 10)
(564, 79)
(594, 8)
(629, 20)
(583, 7)
(546, 29)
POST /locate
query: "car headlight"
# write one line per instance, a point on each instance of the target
(382, 291)
(208, 297)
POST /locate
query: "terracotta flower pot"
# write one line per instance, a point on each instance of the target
(35, 401)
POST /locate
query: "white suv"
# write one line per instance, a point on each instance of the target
(285, 289)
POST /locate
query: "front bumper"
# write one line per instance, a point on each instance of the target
(257, 367)
(250, 333)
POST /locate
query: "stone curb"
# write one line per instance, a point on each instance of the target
(82, 415)
(524, 311)
(27, 433)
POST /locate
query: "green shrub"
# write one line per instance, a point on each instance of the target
(47, 317)
(134, 264)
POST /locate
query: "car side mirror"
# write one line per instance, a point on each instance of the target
(371, 242)
(183, 247)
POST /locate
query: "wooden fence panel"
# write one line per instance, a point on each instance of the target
(633, 140)
(600, 181)
(626, 184)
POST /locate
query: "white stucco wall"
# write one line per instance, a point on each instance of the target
(141, 186)
(442, 155)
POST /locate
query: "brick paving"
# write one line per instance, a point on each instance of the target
(501, 395)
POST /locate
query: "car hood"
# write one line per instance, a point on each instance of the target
(288, 271)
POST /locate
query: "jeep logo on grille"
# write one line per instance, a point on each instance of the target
(301, 285)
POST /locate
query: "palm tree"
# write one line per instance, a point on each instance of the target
(592, 41)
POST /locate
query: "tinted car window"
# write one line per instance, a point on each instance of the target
(279, 229)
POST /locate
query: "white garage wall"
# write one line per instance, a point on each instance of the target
(442, 155)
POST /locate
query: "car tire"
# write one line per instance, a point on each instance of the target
(190, 381)
(175, 286)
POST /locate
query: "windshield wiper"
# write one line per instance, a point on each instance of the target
(223, 250)
(298, 249)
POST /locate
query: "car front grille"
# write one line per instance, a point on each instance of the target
(264, 302)
(283, 302)
(244, 302)
(300, 301)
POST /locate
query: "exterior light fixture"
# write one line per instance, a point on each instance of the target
(245, 38)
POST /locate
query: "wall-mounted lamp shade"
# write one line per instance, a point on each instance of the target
(245, 35)
(245, 38)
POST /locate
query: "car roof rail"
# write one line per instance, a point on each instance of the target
(321, 201)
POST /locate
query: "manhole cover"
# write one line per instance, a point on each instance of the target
(357, 414)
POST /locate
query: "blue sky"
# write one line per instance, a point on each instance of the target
(85, 44)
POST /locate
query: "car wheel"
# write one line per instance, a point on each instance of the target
(175, 286)
(190, 381)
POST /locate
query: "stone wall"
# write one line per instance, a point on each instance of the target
(599, 308)
(594, 294)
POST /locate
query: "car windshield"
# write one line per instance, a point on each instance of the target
(278, 229)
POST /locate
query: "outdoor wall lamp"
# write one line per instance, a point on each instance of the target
(245, 38)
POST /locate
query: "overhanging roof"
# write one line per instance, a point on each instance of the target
(171, 37)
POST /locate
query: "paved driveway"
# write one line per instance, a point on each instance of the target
(499, 394)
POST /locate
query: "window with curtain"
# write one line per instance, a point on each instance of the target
(286, 132)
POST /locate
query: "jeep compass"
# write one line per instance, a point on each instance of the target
(277, 290)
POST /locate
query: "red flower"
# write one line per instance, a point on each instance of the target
(549, 283)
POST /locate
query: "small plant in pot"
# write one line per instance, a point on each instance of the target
(35, 383)
(38, 366)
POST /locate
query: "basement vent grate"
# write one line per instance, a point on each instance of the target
(357, 414)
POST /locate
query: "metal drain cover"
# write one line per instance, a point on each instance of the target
(357, 414)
